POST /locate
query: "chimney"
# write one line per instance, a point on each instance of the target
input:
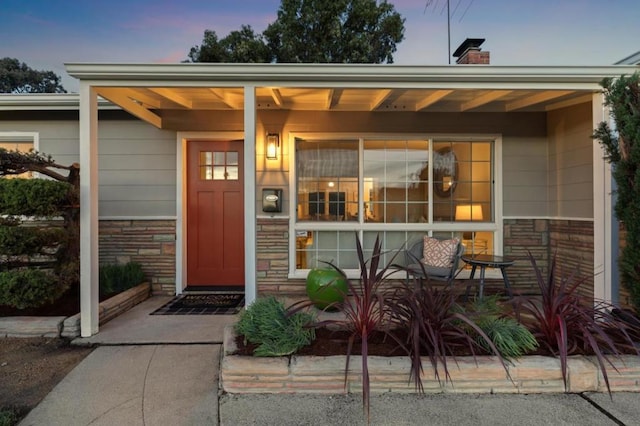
(469, 52)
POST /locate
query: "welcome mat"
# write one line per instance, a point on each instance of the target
(202, 304)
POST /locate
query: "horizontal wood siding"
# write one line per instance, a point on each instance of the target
(524, 176)
(137, 162)
(571, 162)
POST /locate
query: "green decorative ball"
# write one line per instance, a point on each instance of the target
(326, 286)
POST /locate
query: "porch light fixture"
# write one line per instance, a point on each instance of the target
(272, 145)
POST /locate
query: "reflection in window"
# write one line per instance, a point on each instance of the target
(391, 183)
(327, 173)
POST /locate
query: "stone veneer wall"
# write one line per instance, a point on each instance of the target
(272, 247)
(152, 243)
(522, 236)
(571, 241)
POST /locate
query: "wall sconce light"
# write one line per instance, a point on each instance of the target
(273, 144)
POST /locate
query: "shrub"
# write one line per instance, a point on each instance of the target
(25, 288)
(511, 338)
(29, 240)
(9, 416)
(565, 324)
(436, 326)
(116, 278)
(34, 197)
(276, 331)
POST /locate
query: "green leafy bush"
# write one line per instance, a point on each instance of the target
(25, 288)
(33, 197)
(278, 332)
(28, 240)
(9, 416)
(511, 338)
(116, 278)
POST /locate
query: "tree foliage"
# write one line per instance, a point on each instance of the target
(242, 46)
(18, 77)
(312, 31)
(39, 258)
(622, 149)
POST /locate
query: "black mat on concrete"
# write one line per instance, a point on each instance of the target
(203, 304)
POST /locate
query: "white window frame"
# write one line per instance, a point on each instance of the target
(496, 226)
(25, 137)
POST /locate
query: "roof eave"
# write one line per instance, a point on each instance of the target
(342, 74)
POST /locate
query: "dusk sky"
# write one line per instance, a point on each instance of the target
(48, 33)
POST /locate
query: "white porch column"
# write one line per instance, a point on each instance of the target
(250, 287)
(88, 210)
(602, 212)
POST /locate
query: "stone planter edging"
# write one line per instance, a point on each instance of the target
(485, 374)
(109, 309)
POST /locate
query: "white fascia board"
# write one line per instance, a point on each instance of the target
(48, 101)
(341, 75)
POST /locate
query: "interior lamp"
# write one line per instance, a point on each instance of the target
(273, 143)
(468, 213)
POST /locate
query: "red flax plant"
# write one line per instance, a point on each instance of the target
(435, 326)
(365, 309)
(565, 324)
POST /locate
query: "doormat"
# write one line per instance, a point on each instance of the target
(202, 304)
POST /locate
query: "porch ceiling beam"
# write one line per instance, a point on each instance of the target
(225, 99)
(432, 99)
(484, 99)
(173, 97)
(570, 102)
(120, 98)
(139, 95)
(536, 99)
(379, 98)
(332, 98)
(276, 96)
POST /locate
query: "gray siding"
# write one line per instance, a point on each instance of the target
(524, 175)
(137, 163)
(571, 162)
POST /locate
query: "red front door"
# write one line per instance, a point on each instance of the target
(215, 213)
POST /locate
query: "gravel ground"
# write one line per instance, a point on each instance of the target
(31, 367)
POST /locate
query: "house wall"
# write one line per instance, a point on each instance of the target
(137, 179)
(571, 162)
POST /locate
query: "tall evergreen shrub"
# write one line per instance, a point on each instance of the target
(622, 148)
(39, 229)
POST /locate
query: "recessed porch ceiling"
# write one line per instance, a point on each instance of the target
(145, 102)
(145, 90)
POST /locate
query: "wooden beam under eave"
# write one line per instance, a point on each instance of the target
(276, 96)
(536, 99)
(489, 97)
(432, 99)
(173, 97)
(145, 98)
(329, 103)
(382, 96)
(122, 100)
(225, 99)
(570, 102)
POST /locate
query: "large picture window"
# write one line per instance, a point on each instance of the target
(399, 189)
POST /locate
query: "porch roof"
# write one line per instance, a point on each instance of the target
(145, 89)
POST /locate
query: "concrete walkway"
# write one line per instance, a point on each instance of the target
(163, 370)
